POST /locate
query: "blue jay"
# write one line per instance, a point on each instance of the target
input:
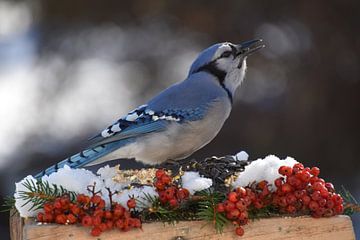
(180, 120)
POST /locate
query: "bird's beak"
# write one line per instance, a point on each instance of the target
(249, 47)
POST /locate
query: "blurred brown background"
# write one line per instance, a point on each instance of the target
(70, 68)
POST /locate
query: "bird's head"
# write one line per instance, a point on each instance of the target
(227, 62)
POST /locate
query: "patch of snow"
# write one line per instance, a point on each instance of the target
(193, 182)
(263, 169)
(242, 156)
(24, 210)
(137, 193)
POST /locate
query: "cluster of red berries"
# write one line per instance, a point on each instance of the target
(241, 200)
(90, 212)
(169, 193)
(302, 191)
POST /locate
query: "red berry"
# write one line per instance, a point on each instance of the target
(108, 215)
(101, 204)
(131, 203)
(170, 193)
(241, 205)
(118, 211)
(283, 202)
(241, 191)
(96, 231)
(299, 193)
(220, 208)
(239, 231)
(262, 184)
(313, 206)
(137, 223)
(324, 193)
(60, 219)
(337, 199)
(330, 203)
(96, 221)
(109, 224)
(57, 204)
(330, 187)
(75, 209)
(159, 185)
(119, 223)
(339, 209)
(159, 173)
(64, 201)
(290, 209)
(316, 196)
(71, 218)
(286, 188)
(294, 181)
(48, 207)
(98, 212)
(258, 204)
(40, 217)
(166, 179)
(48, 217)
(232, 197)
(243, 215)
(305, 176)
(315, 171)
(305, 200)
(322, 202)
(317, 186)
(229, 206)
(103, 227)
(182, 193)
(278, 182)
(298, 167)
(173, 202)
(285, 170)
(162, 197)
(233, 214)
(290, 198)
(95, 199)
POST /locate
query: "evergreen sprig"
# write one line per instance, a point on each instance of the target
(155, 211)
(351, 205)
(207, 209)
(39, 192)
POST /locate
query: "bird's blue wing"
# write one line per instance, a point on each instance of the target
(143, 120)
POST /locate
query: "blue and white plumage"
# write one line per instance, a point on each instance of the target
(180, 120)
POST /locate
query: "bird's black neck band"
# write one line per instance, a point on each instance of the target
(219, 74)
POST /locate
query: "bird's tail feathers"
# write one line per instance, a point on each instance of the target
(84, 157)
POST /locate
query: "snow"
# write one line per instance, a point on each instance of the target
(241, 156)
(75, 180)
(193, 182)
(107, 174)
(262, 169)
(137, 193)
(24, 210)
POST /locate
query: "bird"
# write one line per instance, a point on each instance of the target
(178, 121)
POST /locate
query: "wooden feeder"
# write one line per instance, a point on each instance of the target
(305, 228)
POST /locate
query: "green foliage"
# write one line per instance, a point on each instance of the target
(9, 204)
(158, 212)
(39, 192)
(351, 205)
(207, 209)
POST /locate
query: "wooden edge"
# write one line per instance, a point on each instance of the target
(305, 228)
(16, 225)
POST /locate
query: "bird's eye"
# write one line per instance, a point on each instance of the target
(226, 54)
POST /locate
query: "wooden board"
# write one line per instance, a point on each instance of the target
(305, 228)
